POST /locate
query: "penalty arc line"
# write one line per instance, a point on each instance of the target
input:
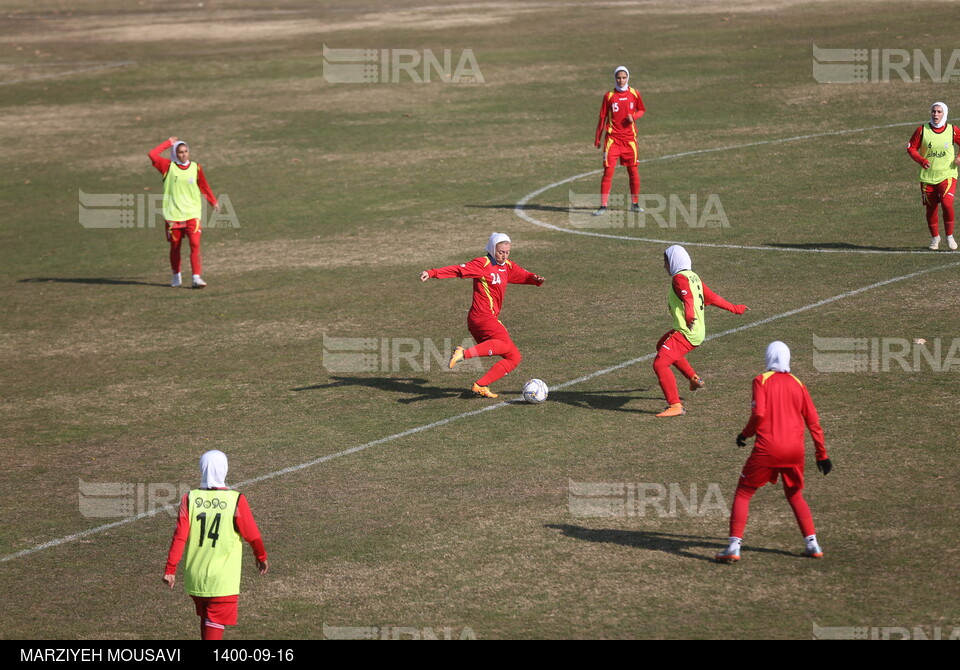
(519, 207)
(464, 415)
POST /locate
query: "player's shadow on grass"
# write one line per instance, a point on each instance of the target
(838, 246)
(611, 401)
(105, 281)
(416, 387)
(670, 543)
(536, 208)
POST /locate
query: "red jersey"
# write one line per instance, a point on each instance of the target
(681, 287)
(781, 407)
(163, 166)
(243, 523)
(614, 109)
(489, 283)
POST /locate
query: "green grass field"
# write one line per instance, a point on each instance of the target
(343, 193)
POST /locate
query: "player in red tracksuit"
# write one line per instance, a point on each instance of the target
(182, 206)
(781, 408)
(490, 274)
(215, 575)
(619, 111)
(933, 147)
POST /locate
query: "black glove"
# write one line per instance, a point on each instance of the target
(741, 440)
(825, 466)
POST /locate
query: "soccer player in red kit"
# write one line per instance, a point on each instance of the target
(781, 407)
(183, 183)
(490, 274)
(619, 112)
(211, 523)
(933, 146)
(686, 300)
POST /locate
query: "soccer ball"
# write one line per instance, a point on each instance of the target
(535, 391)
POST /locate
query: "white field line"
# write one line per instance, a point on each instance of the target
(488, 408)
(53, 75)
(519, 211)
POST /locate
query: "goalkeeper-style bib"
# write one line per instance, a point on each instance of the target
(214, 548)
(938, 148)
(696, 334)
(181, 194)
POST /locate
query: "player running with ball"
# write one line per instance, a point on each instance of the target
(490, 274)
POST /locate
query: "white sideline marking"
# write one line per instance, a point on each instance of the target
(99, 66)
(518, 208)
(488, 408)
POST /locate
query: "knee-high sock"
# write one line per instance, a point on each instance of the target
(506, 348)
(685, 368)
(740, 510)
(948, 221)
(800, 510)
(210, 630)
(606, 183)
(634, 173)
(933, 219)
(668, 383)
(175, 237)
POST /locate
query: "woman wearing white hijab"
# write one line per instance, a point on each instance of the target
(183, 184)
(686, 300)
(933, 146)
(619, 111)
(212, 521)
(781, 408)
(490, 274)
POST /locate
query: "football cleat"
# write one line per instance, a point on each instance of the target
(696, 383)
(456, 357)
(198, 282)
(601, 211)
(675, 409)
(934, 243)
(636, 208)
(483, 391)
(952, 243)
(813, 550)
(729, 555)
(176, 280)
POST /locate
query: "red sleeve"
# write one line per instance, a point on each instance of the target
(758, 408)
(711, 298)
(471, 270)
(810, 415)
(162, 164)
(204, 186)
(603, 118)
(956, 134)
(681, 287)
(640, 108)
(913, 146)
(245, 524)
(518, 275)
(180, 536)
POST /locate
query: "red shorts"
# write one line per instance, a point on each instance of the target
(673, 346)
(487, 329)
(755, 475)
(191, 226)
(220, 609)
(625, 150)
(934, 194)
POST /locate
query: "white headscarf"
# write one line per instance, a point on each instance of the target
(496, 239)
(173, 153)
(213, 470)
(677, 259)
(626, 85)
(946, 112)
(778, 357)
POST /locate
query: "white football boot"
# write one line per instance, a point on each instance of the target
(198, 282)
(176, 280)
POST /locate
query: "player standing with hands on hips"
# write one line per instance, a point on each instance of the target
(183, 183)
(686, 300)
(933, 146)
(781, 407)
(619, 111)
(212, 521)
(490, 274)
